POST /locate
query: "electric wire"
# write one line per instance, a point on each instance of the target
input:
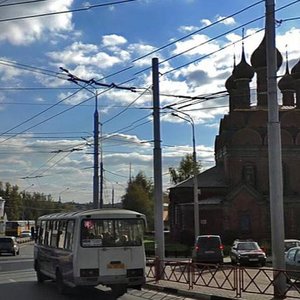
(38, 114)
(188, 35)
(20, 3)
(88, 7)
(199, 30)
(212, 39)
(127, 107)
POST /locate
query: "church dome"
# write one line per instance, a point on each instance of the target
(286, 82)
(230, 83)
(259, 56)
(243, 69)
(296, 70)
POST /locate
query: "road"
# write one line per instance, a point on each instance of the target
(18, 281)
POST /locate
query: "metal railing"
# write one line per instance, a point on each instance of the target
(235, 279)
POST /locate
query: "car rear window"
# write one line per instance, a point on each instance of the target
(247, 246)
(5, 240)
(289, 245)
(209, 242)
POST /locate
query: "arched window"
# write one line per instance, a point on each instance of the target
(249, 174)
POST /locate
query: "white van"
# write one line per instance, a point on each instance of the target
(88, 248)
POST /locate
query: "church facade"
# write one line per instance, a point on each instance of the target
(234, 194)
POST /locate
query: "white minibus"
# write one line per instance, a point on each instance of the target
(92, 247)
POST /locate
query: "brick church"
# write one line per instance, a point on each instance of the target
(234, 194)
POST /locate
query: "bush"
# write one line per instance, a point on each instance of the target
(171, 249)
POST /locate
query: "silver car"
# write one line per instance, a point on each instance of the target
(9, 244)
(290, 243)
(292, 263)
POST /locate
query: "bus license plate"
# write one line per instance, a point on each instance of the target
(116, 266)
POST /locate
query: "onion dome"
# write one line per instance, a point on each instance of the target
(259, 56)
(296, 70)
(230, 83)
(287, 81)
(243, 70)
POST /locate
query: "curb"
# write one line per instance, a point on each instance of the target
(185, 293)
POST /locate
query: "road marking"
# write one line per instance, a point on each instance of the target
(15, 261)
(17, 276)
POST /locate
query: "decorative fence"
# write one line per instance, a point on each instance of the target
(238, 280)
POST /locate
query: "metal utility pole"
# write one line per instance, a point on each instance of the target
(101, 174)
(274, 150)
(96, 156)
(157, 166)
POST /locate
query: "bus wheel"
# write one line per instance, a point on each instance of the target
(137, 287)
(61, 287)
(118, 290)
(39, 275)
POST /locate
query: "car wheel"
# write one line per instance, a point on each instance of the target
(14, 253)
(233, 261)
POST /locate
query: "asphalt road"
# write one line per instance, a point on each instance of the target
(18, 281)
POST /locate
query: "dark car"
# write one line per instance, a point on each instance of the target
(9, 244)
(247, 253)
(208, 249)
(292, 263)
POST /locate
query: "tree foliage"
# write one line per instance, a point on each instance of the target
(185, 169)
(21, 205)
(139, 197)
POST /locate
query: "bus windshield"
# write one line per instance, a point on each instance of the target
(111, 232)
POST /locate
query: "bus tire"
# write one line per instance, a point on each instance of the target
(61, 287)
(118, 290)
(39, 275)
(137, 287)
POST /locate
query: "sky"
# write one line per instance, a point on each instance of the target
(46, 119)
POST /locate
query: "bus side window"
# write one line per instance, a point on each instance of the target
(61, 234)
(54, 233)
(69, 235)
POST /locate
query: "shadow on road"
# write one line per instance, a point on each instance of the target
(48, 291)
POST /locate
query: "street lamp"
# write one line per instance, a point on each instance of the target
(195, 171)
(96, 203)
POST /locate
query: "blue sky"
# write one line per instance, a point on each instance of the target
(46, 131)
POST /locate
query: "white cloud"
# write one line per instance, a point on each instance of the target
(226, 21)
(26, 31)
(113, 40)
(187, 29)
(205, 22)
(198, 45)
(84, 54)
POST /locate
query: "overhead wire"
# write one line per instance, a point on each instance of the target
(19, 3)
(88, 7)
(199, 30)
(127, 107)
(36, 115)
(224, 47)
(118, 114)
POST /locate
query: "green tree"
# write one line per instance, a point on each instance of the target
(185, 169)
(139, 197)
(13, 204)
